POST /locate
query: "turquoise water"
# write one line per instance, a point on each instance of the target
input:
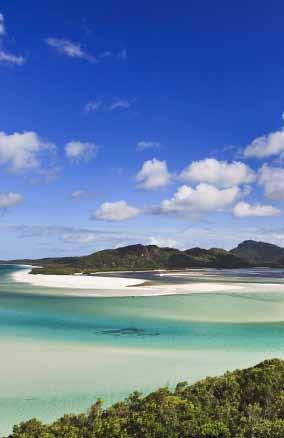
(59, 353)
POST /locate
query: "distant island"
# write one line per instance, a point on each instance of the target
(151, 257)
(239, 404)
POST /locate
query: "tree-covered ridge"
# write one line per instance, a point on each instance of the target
(241, 404)
(260, 253)
(149, 257)
(141, 257)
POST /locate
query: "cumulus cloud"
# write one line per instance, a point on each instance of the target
(244, 209)
(77, 151)
(153, 175)
(266, 145)
(82, 194)
(115, 211)
(142, 145)
(204, 198)
(2, 25)
(10, 199)
(272, 180)
(219, 173)
(25, 152)
(69, 48)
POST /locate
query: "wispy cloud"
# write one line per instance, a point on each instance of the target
(75, 50)
(2, 25)
(117, 104)
(143, 145)
(70, 49)
(120, 104)
(10, 200)
(121, 55)
(93, 105)
(7, 58)
(83, 195)
(10, 59)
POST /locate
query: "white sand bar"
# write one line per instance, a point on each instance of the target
(74, 281)
(103, 286)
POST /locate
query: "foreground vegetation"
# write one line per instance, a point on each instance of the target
(240, 404)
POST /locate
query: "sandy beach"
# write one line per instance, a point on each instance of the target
(108, 286)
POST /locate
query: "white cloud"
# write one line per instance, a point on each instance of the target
(121, 55)
(219, 173)
(119, 104)
(272, 180)
(69, 48)
(204, 198)
(10, 199)
(142, 145)
(162, 241)
(154, 174)
(266, 145)
(6, 58)
(244, 209)
(82, 194)
(10, 59)
(2, 25)
(115, 211)
(78, 151)
(93, 106)
(23, 152)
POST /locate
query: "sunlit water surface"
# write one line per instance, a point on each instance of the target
(59, 353)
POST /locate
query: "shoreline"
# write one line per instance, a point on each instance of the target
(103, 286)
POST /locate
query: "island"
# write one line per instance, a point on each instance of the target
(151, 257)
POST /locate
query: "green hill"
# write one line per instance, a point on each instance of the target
(149, 257)
(141, 257)
(260, 253)
(240, 404)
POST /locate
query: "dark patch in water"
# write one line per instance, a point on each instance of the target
(129, 331)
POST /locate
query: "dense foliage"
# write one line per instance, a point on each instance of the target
(140, 257)
(240, 404)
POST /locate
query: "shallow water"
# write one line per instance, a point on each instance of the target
(59, 353)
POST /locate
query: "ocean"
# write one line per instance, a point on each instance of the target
(60, 353)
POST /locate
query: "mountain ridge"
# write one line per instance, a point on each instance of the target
(138, 257)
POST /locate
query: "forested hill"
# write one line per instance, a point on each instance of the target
(240, 404)
(260, 253)
(140, 257)
(149, 257)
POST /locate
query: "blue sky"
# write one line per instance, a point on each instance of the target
(154, 123)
